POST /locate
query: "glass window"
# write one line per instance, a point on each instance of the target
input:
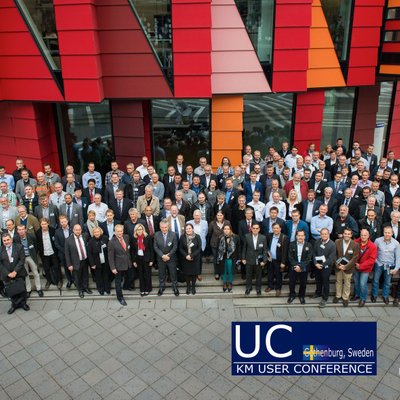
(338, 116)
(382, 117)
(41, 19)
(393, 13)
(338, 14)
(267, 120)
(155, 18)
(258, 18)
(180, 126)
(392, 36)
(85, 135)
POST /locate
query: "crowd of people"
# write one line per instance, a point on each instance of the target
(284, 215)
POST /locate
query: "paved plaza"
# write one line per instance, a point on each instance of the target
(163, 348)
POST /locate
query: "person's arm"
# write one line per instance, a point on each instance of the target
(111, 256)
(397, 258)
(314, 227)
(21, 260)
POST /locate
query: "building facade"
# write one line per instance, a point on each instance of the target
(91, 80)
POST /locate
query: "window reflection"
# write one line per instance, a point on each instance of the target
(338, 14)
(86, 135)
(392, 36)
(338, 116)
(180, 126)
(267, 120)
(393, 13)
(382, 117)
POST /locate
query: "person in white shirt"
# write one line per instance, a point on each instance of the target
(57, 197)
(258, 206)
(278, 203)
(143, 167)
(291, 159)
(99, 208)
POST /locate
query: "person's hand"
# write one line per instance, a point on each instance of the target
(262, 263)
(244, 262)
(71, 268)
(135, 265)
(297, 268)
(94, 267)
(188, 257)
(165, 258)
(114, 271)
(12, 275)
(150, 264)
(393, 271)
(357, 265)
(319, 266)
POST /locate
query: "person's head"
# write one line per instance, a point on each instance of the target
(10, 225)
(119, 231)
(171, 170)
(396, 202)
(47, 169)
(315, 156)
(242, 200)
(296, 177)
(295, 215)
(220, 198)
(130, 167)
(213, 184)
(97, 199)
(347, 233)
(323, 209)
(324, 233)
(91, 215)
(394, 217)
(4, 202)
(24, 174)
(148, 191)
(220, 216)
(300, 236)
(58, 188)
(328, 192)
(69, 169)
(174, 211)
(292, 195)
(276, 197)
(386, 174)
(273, 213)
(394, 179)
(247, 149)
(114, 165)
(343, 211)
(387, 233)
(203, 162)
(189, 170)
(229, 183)
(270, 170)
(185, 185)
(63, 221)
(364, 235)
(347, 193)
(354, 180)
(40, 178)
(148, 211)
(177, 178)
(253, 176)
(68, 199)
(371, 201)
(3, 187)
(201, 198)
(227, 230)
(145, 161)
(257, 169)
(249, 213)
(189, 229)
(207, 170)
(256, 196)
(318, 176)
(78, 193)
(44, 201)
(22, 211)
(91, 184)
(109, 215)
(255, 228)
(299, 162)
(197, 216)
(371, 215)
(19, 162)
(70, 179)
(294, 150)
(97, 232)
(178, 195)
(374, 186)
(257, 155)
(179, 159)
(21, 230)
(164, 226)
(119, 194)
(91, 167)
(322, 165)
(44, 224)
(136, 176)
(28, 191)
(274, 184)
(139, 231)
(285, 145)
(7, 240)
(311, 195)
(307, 160)
(370, 149)
(307, 174)
(114, 178)
(276, 229)
(196, 180)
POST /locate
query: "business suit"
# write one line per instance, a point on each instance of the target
(104, 227)
(119, 258)
(32, 262)
(204, 180)
(304, 209)
(121, 215)
(319, 188)
(109, 194)
(98, 257)
(274, 267)
(248, 191)
(75, 216)
(254, 256)
(129, 226)
(53, 214)
(269, 191)
(20, 187)
(353, 206)
(142, 262)
(373, 161)
(343, 277)
(339, 225)
(59, 242)
(80, 266)
(168, 247)
(184, 209)
(327, 250)
(374, 228)
(86, 193)
(155, 220)
(142, 204)
(389, 196)
(84, 203)
(181, 225)
(30, 204)
(266, 226)
(16, 264)
(304, 264)
(206, 207)
(171, 188)
(363, 212)
(300, 226)
(338, 191)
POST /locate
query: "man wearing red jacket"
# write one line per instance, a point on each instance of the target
(364, 265)
(298, 185)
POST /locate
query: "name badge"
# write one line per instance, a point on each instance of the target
(343, 224)
(129, 246)
(31, 246)
(169, 243)
(75, 215)
(260, 245)
(51, 214)
(350, 251)
(140, 253)
(278, 245)
(103, 246)
(136, 189)
(322, 246)
(307, 248)
(11, 259)
(340, 191)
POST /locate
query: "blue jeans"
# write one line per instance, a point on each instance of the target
(387, 278)
(361, 284)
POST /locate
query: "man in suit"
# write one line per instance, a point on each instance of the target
(151, 222)
(346, 257)
(12, 266)
(344, 220)
(165, 247)
(108, 226)
(204, 207)
(169, 177)
(392, 190)
(324, 255)
(47, 210)
(231, 194)
(370, 204)
(278, 245)
(72, 210)
(207, 176)
(254, 256)
(30, 199)
(120, 206)
(183, 205)
(81, 201)
(91, 190)
(176, 222)
(266, 225)
(180, 167)
(6, 211)
(251, 186)
(31, 260)
(300, 257)
(267, 178)
(148, 199)
(244, 227)
(61, 235)
(172, 187)
(112, 187)
(77, 260)
(274, 188)
(69, 169)
(317, 184)
(296, 224)
(392, 162)
(135, 188)
(394, 224)
(119, 258)
(23, 182)
(372, 224)
(310, 206)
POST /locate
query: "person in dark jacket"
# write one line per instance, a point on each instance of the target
(190, 253)
(142, 254)
(228, 249)
(98, 260)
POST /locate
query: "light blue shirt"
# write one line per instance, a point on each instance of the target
(9, 179)
(274, 245)
(318, 223)
(388, 252)
(95, 175)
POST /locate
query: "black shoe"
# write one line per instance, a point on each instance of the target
(11, 310)
(386, 300)
(176, 292)
(107, 293)
(160, 292)
(26, 307)
(141, 294)
(335, 300)
(345, 303)
(373, 299)
(290, 300)
(88, 291)
(315, 296)
(81, 295)
(395, 302)
(302, 300)
(258, 292)
(68, 285)
(122, 302)
(101, 293)
(60, 285)
(193, 290)
(28, 294)
(40, 293)
(354, 298)
(247, 292)
(188, 290)
(2, 293)
(312, 275)
(47, 285)
(361, 303)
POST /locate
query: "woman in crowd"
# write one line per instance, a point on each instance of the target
(98, 260)
(142, 257)
(215, 230)
(91, 223)
(225, 161)
(212, 192)
(190, 253)
(292, 203)
(227, 255)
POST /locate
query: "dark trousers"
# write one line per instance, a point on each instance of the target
(144, 271)
(191, 281)
(68, 273)
(103, 278)
(274, 275)
(19, 300)
(322, 282)
(215, 260)
(249, 276)
(81, 276)
(121, 275)
(293, 278)
(162, 268)
(52, 269)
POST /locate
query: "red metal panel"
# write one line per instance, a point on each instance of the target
(391, 48)
(364, 37)
(394, 137)
(367, 16)
(292, 38)
(313, 97)
(287, 15)
(289, 81)
(361, 57)
(361, 76)
(136, 87)
(74, 17)
(192, 86)
(195, 16)
(192, 41)
(298, 60)
(191, 63)
(392, 25)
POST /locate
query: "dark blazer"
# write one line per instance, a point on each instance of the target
(209, 210)
(165, 180)
(306, 256)
(71, 251)
(297, 206)
(148, 252)
(326, 175)
(35, 203)
(130, 187)
(300, 226)
(76, 212)
(77, 179)
(363, 209)
(328, 250)
(386, 214)
(170, 248)
(171, 188)
(249, 193)
(251, 255)
(221, 181)
(204, 182)
(39, 240)
(103, 226)
(118, 258)
(337, 194)
(282, 247)
(375, 231)
(243, 229)
(156, 223)
(263, 180)
(353, 207)
(373, 162)
(315, 210)
(185, 209)
(233, 198)
(95, 246)
(129, 226)
(190, 267)
(332, 206)
(109, 193)
(85, 205)
(319, 191)
(339, 225)
(126, 206)
(398, 233)
(17, 265)
(59, 242)
(389, 197)
(85, 193)
(53, 214)
(265, 225)
(225, 209)
(32, 247)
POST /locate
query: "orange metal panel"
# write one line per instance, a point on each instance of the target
(227, 103)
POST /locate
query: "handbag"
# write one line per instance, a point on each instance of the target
(15, 287)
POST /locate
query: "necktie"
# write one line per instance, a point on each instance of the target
(346, 202)
(91, 196)
(249, 226)
(150, 225)
(120, 206)
(69, 213)
(165, 240)
(337, 186)
(82, 254)
(30, 206)
(123, 244)
(176, 229)
(9, 253)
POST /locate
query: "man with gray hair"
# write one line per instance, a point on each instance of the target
(148, 199)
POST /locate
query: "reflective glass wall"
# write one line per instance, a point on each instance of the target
(180, 126)
(267, 120)
(338, 116)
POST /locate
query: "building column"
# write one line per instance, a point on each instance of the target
(394, 134)
(226, 129)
